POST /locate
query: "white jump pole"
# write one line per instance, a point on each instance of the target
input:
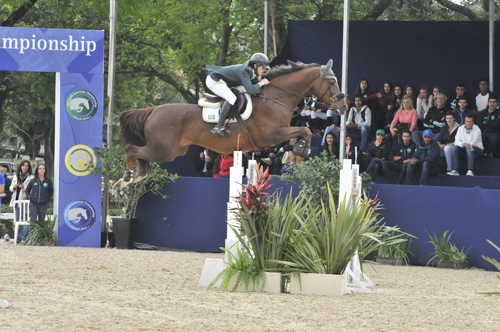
(213, 266)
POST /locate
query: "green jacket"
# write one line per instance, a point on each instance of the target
(235, 75)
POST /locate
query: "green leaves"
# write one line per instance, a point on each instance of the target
(444, 250)
(112, 165)
(38, 234)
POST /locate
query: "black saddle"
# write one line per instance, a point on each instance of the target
(238, 107)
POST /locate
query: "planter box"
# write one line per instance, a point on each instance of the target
(390, 260)
(124, 230)
(452, 265)
(318, 284)
(274, 284)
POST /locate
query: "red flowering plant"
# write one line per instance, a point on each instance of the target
(266, 223)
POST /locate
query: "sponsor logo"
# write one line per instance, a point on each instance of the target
(80, 160)
(81, 105)
(79, 215)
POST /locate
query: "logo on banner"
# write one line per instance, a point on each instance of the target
(81, 105)
(79, 215)
(80, 160)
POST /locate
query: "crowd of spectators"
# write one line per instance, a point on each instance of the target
(396, 130)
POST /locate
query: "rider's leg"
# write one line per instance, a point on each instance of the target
(223, 115)
(221, 89)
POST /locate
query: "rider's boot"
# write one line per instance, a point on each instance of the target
(224, 114)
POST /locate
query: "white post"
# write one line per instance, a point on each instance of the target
(492, 41)
(345, 53)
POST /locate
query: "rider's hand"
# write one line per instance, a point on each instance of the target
(265, 81)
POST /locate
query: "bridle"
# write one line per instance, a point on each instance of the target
(333, 98)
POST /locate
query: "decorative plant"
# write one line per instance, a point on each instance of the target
(242, 266)
(41, 233)
(328, 238)
(444, 250)
(495, 263)
(401, 249)
(265, 222)
(317, 175)
(112, 165)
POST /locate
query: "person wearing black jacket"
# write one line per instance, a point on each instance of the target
(488, 120)
(399, 157)
(205, 163)
(425, 158)
(39, 192)
(461, 92)
(434, 119)
(378, 151)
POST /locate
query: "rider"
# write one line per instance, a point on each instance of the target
(221, 79)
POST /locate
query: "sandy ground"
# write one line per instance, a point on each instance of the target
(80, 289)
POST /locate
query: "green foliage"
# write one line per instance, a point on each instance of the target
(495, 263)
(112, 165)
(268, 224)
(243, 267)
(401, 249)
(317, 176)
(444, 250)
(328, 238)
(44, 232)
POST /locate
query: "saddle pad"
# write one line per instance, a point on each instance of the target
(211, 115)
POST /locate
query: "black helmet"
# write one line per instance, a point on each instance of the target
(260, 59)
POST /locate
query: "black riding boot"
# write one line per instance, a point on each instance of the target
(224, 114)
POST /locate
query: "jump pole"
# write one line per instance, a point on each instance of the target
(212, 266)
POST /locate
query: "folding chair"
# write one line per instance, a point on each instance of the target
(22, 217)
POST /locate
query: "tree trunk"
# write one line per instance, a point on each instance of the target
(378, 10)
(459, 9)
(18, 14)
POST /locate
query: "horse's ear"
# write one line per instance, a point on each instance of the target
(327, 69)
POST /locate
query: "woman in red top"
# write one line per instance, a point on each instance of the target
(222, 165)
(406, 117)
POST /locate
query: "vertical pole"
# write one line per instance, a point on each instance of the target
(111, 99)
(345, 52)
(265, 26)
(492, 40)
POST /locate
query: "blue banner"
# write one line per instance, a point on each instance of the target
(77, 56)
(81, 118)
(51, 50)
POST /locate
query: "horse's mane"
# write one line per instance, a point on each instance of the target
(292, 67)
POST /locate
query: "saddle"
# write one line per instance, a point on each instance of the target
(214, 101)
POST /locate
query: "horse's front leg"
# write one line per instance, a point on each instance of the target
(290, 132)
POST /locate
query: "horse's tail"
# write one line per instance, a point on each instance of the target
(132, 126)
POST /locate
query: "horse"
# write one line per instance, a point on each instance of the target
(161, 133)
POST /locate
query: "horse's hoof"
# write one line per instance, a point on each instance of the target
(128, 175)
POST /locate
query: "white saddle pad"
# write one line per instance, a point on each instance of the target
(211, 114)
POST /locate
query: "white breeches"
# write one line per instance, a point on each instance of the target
(220, 89)
(321, 115)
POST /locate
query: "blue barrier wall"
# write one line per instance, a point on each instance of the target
(193, 217)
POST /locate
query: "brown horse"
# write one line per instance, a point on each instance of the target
(161, 133)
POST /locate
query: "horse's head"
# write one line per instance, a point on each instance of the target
(327, 89)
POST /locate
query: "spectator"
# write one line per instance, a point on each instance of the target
(425, 158)
(331, 146)
(483, 97)
(276, 159)
(8, 194)
(399, 157)
(434, 119)
(461, 111)
(222, 165)
(351, 150)
(358, 123)
(488, 121)
(435, 91)
(2, 187)
(309, 106)
(18, 186)
(39, 192)
(205, 163)
(363, 88)
(319, 118)
(410, 92)
(460, 91)
(378, 151)
(424, 102)
(395, 106)
(468, 143)
(406, 117)
(380, 102)
(447, 137)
